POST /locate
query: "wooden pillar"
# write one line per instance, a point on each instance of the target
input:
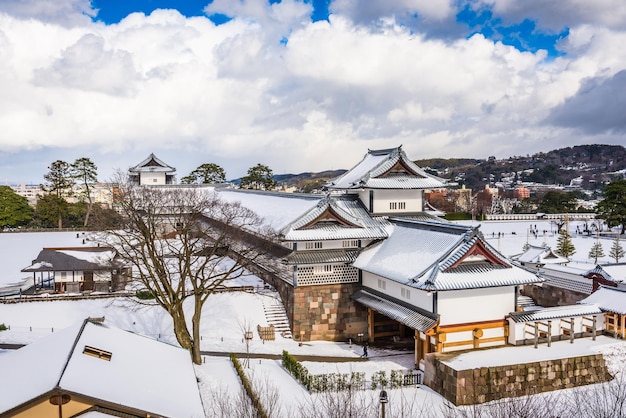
(622, 321)
(417, 347)
(370, 325)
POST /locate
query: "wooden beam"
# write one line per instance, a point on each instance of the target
(473, 325)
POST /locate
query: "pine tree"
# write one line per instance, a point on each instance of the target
(596, 252)
(616, 252)
(564, 246)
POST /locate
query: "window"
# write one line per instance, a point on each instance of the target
(397, 205)
(98, 353)
(325, 269)
(350, 243)
(406, 293)
(313, 245)
(382, 284)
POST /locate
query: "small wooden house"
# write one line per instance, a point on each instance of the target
(78, 269)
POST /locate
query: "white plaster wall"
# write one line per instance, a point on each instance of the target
(69, 277)
(418, 298)
(475, 305)
(151, 179)
(412, 198)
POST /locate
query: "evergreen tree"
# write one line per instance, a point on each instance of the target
(613, 207)
(616, 252)
(14, 209)
(85, 173)
(205, 174)
(564, 245)
(59, 183)
(260, 177)
(596, 251)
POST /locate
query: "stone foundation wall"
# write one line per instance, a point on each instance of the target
(546, 295)
(467, 387)
(326, 312)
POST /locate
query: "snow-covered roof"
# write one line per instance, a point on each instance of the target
(73, 259)
(609, 299)
(335, 218)
(556, 312)
(277, 209)
(152, 164)
(132, 371)
(599, 271)
(323, 256)
(412, 317)
(386, 169)
(435, 256)
(540, 255)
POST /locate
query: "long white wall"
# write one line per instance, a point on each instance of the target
(475, 305)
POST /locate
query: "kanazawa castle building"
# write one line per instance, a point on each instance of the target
(368, 261)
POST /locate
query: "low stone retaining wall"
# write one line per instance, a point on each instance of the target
(474, 386)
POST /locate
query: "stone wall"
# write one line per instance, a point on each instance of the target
(546, 295)
(326, 312)
(474, 386)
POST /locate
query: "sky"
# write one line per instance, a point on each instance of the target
(303, 85)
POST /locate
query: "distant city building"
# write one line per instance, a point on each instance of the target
(521, 192)
(29, 191)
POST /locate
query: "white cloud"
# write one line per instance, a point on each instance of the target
(193, 92)
(557, 15)
(61, 12)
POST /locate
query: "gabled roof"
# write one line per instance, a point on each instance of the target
(599, 271)
(540, 255)
(105, 366)
(152, 164)
(434, 256)
(385, 169)
(609, 299)
(334, 218)
(74, 259)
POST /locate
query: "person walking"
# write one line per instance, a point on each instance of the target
(364, 350)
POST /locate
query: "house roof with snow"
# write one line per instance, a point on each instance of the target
(385, 169)
(410, 316)
(540, 255)
(435, 256)
(74, 259)
(152, 164)
(89, 365)
(335, 218)
(556, 312)
(609, 299)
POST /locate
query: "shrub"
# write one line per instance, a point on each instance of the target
(3, 327)
(256, 402)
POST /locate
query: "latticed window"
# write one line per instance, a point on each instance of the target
(350, 243)
(382, 284)
(313, 245)
(406, 293)
(326, 274)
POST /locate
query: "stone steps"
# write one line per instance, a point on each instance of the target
(276, 316)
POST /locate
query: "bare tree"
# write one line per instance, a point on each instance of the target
(183, 244)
